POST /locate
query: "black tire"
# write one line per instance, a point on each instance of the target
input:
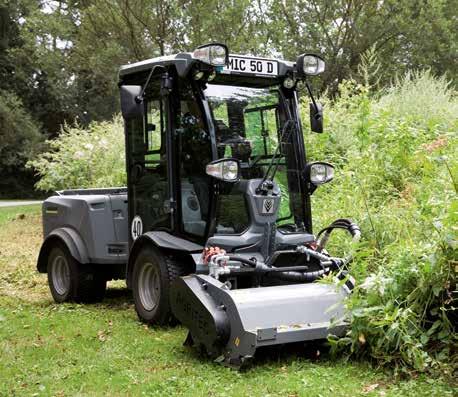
(70, 280)
(152, 275)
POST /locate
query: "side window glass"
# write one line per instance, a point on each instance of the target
(154, 147)
(154, 126)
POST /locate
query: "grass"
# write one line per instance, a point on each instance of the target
(61, 350)
(10, 213)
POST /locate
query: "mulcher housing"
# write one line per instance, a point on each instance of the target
(215, 226)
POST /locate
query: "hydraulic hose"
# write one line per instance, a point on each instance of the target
(242, 260)
(301, 276)
(345, 224)
(326, 262)
(338, 263)
(286, 275)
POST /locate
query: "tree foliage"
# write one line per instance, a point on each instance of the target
(20, 139)
(61, 57)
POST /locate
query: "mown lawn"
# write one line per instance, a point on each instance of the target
(62, 350)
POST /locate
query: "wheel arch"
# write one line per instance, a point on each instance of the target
(70, 238)
(166, 244)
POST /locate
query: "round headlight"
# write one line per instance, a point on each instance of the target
(230, 170)
(320, 173)
(212, 54)
(224, 169)
(289, 82)
(218, 55)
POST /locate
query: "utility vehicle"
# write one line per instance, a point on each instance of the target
(214, 228)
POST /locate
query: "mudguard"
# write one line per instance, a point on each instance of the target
(162, 241)
(70, 238)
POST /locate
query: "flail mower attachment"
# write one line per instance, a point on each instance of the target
(231, 323)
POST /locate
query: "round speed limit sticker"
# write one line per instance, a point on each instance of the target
(136, 227)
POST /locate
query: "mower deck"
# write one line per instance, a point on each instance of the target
(232, 324)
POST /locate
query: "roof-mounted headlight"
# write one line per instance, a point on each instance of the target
(213, 54)
(310, 65)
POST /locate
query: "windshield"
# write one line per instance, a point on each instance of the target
(248, 123)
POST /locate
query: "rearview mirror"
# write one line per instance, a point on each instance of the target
(316, 117)
(131, 105)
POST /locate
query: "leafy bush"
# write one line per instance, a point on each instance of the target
(397, 177)
(83, 158)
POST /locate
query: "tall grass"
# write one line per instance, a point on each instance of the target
(397, 170)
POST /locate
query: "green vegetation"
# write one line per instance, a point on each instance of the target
(63, 350)
(84, 157)
(20, 139)
(396, 155)
(8, 214)
(393, 141)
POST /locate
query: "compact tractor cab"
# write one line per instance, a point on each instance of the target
(215, 228)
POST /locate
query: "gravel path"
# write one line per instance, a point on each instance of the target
(18, 203)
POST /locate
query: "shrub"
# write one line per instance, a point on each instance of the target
(397, 176)
(83, 157)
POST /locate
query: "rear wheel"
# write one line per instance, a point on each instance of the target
(152, 275)
(70, 280)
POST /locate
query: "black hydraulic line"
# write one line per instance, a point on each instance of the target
(242, 260)
(300, 276)
(345, 224)
(286, 269)
(292, 273)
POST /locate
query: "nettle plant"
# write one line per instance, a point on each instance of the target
(83, 157)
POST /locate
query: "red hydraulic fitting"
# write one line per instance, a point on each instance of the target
(208, 252)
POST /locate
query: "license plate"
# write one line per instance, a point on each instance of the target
(256, 66)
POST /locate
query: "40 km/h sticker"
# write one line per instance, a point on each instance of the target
(136, 227)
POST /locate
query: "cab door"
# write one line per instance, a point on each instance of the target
(193, 153)
(147, 159)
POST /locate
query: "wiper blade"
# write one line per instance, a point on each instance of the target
(266, 182)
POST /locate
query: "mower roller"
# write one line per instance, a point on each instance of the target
(214, 228)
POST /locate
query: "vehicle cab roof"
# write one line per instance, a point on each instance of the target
(184, 61)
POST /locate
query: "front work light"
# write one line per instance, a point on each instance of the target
(310, 65)
(227, 170)
(213, 54)
(319, 172)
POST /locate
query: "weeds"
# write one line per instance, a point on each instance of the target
(397, 171)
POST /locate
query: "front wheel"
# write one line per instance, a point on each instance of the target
(152, 275)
